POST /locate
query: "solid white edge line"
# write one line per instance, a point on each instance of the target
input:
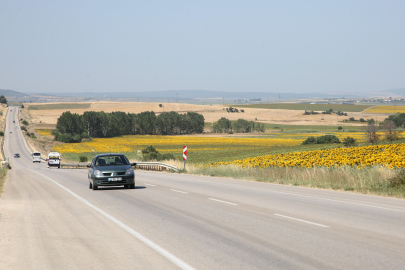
(221, 201)
(313, 223)
(149, 185)
(179, 191)
(139, 236)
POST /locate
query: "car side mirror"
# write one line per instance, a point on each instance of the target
(89, 166)
(133, 164)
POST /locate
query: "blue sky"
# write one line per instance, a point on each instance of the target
(261, 46)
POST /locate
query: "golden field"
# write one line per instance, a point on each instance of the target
(386, 109)
(211, 113)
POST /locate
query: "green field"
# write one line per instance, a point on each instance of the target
(308, 107)
(61, 106)
(305, 128)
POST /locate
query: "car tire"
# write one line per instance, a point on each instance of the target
(90, 185)
(126, 186)
(94, 187)
(132, 186)
(58, 166)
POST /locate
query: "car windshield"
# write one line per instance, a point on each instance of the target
(112, 160)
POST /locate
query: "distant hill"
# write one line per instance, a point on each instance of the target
(204, 94)
(187, 95)
(12, 93)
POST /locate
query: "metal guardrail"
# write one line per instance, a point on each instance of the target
(149, 166)
(152, 165)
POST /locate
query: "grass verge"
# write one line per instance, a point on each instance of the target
(376, 180)
(3, 176)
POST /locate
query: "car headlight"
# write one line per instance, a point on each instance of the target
(129, 171)
(98, 173)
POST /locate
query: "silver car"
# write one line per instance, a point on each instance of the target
(111, 170)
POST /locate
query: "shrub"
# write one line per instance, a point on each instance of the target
(398, 180)
(25, 123)
(309, 140)
(149, 149)
(23, 128)
(84, 135)
(1, 133)
(349, 141)
(82, 158)
(330, 111)
(321, 140)
(150, 153)
(340, 127)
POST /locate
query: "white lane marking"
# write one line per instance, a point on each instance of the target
(221, 201)
(306, 196)
(179, 191)
(149, 185)
(317, 224)
(140, 237)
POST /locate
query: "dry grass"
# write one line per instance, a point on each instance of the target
(374, 180)
(3, 176)
(211, 113)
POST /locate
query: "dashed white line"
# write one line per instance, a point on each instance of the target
(302, 195)
(178, 191)
(297, 219)
(149, 185)
(181, 264)
(222, 201)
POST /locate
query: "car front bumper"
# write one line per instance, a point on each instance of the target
(125, 180)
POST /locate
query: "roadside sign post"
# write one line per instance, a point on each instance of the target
(184, 155)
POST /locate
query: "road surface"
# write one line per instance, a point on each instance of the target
(50, 219)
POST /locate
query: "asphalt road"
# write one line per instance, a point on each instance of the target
(50, 219)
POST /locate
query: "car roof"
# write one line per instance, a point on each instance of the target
(112, 154)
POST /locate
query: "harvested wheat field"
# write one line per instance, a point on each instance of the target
(210, 113)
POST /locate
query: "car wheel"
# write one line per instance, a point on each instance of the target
(94, 187)
(126, 186)
(90, 185)
(58, 166)
(132, 186)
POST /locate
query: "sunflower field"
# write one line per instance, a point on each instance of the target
(391, 156)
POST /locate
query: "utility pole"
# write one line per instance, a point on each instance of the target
(279, 101)
(395, 108)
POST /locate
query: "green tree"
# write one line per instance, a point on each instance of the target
(349, 141)
(222, 125)
(3, 99)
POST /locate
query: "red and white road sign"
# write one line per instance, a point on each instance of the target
(184, 152)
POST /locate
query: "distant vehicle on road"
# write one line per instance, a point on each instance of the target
(16, 155)
(111, 170)
(13, 121)
(36, 157)
(11, 131)
(54, 159)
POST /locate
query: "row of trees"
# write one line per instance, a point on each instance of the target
(224, 125)
(390, 126)
(72, 127)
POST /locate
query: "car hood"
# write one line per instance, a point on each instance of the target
(113, 168)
